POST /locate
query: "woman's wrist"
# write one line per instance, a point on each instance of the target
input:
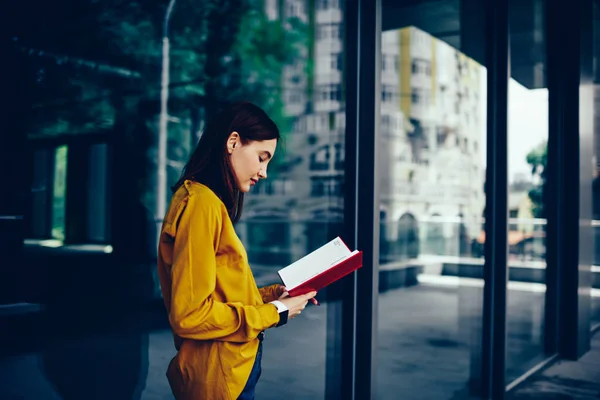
(280, 306)
(282, 310)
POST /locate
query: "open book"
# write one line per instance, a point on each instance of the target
(320, 268)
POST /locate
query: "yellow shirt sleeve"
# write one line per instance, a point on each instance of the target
(194, 314)
(269, 293)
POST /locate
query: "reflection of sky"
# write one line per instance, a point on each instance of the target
(527, 124)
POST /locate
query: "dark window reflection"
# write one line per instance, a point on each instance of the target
(103, 84)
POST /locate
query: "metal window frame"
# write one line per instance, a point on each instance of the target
(496, 210)
(363, 100)
(570, 242)
(551, 198)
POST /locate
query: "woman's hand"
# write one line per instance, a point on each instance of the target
(295, 305)
(282, 294)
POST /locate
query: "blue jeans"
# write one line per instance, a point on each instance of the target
(248, 392)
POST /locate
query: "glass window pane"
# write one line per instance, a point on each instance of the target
(432, 170)
(300, 206)
(59, 193)
(95, 72)
(287, 58)
(527, 150)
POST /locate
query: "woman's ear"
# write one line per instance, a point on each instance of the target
(232, 141)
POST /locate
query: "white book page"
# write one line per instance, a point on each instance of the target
(314, 263)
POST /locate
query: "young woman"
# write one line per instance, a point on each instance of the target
(217, 313)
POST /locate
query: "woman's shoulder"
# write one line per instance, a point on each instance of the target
(194, 197)
(200, 192)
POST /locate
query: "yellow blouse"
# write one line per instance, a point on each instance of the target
(216, 311)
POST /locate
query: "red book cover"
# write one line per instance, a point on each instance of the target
(320, 268)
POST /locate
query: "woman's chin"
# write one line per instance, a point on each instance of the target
(245, 188)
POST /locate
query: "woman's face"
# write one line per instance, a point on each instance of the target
(249, 161)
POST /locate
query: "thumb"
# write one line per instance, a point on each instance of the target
(310, 295)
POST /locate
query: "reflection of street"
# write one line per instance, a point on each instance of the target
(425, 340)
(426, 336)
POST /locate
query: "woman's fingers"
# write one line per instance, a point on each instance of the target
(311, 296)
(284, 295)
(296, 304)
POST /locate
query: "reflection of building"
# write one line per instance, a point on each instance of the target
(305, 194)
(431, 178)
(431, 132)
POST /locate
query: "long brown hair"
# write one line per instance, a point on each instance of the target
(210, 163)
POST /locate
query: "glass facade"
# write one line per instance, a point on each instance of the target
(301, 205)
(127, 89)
(113, 96)
(431, 200)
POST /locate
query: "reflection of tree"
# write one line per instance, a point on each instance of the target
(96, 69)
(221, 51)
(537, 159)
